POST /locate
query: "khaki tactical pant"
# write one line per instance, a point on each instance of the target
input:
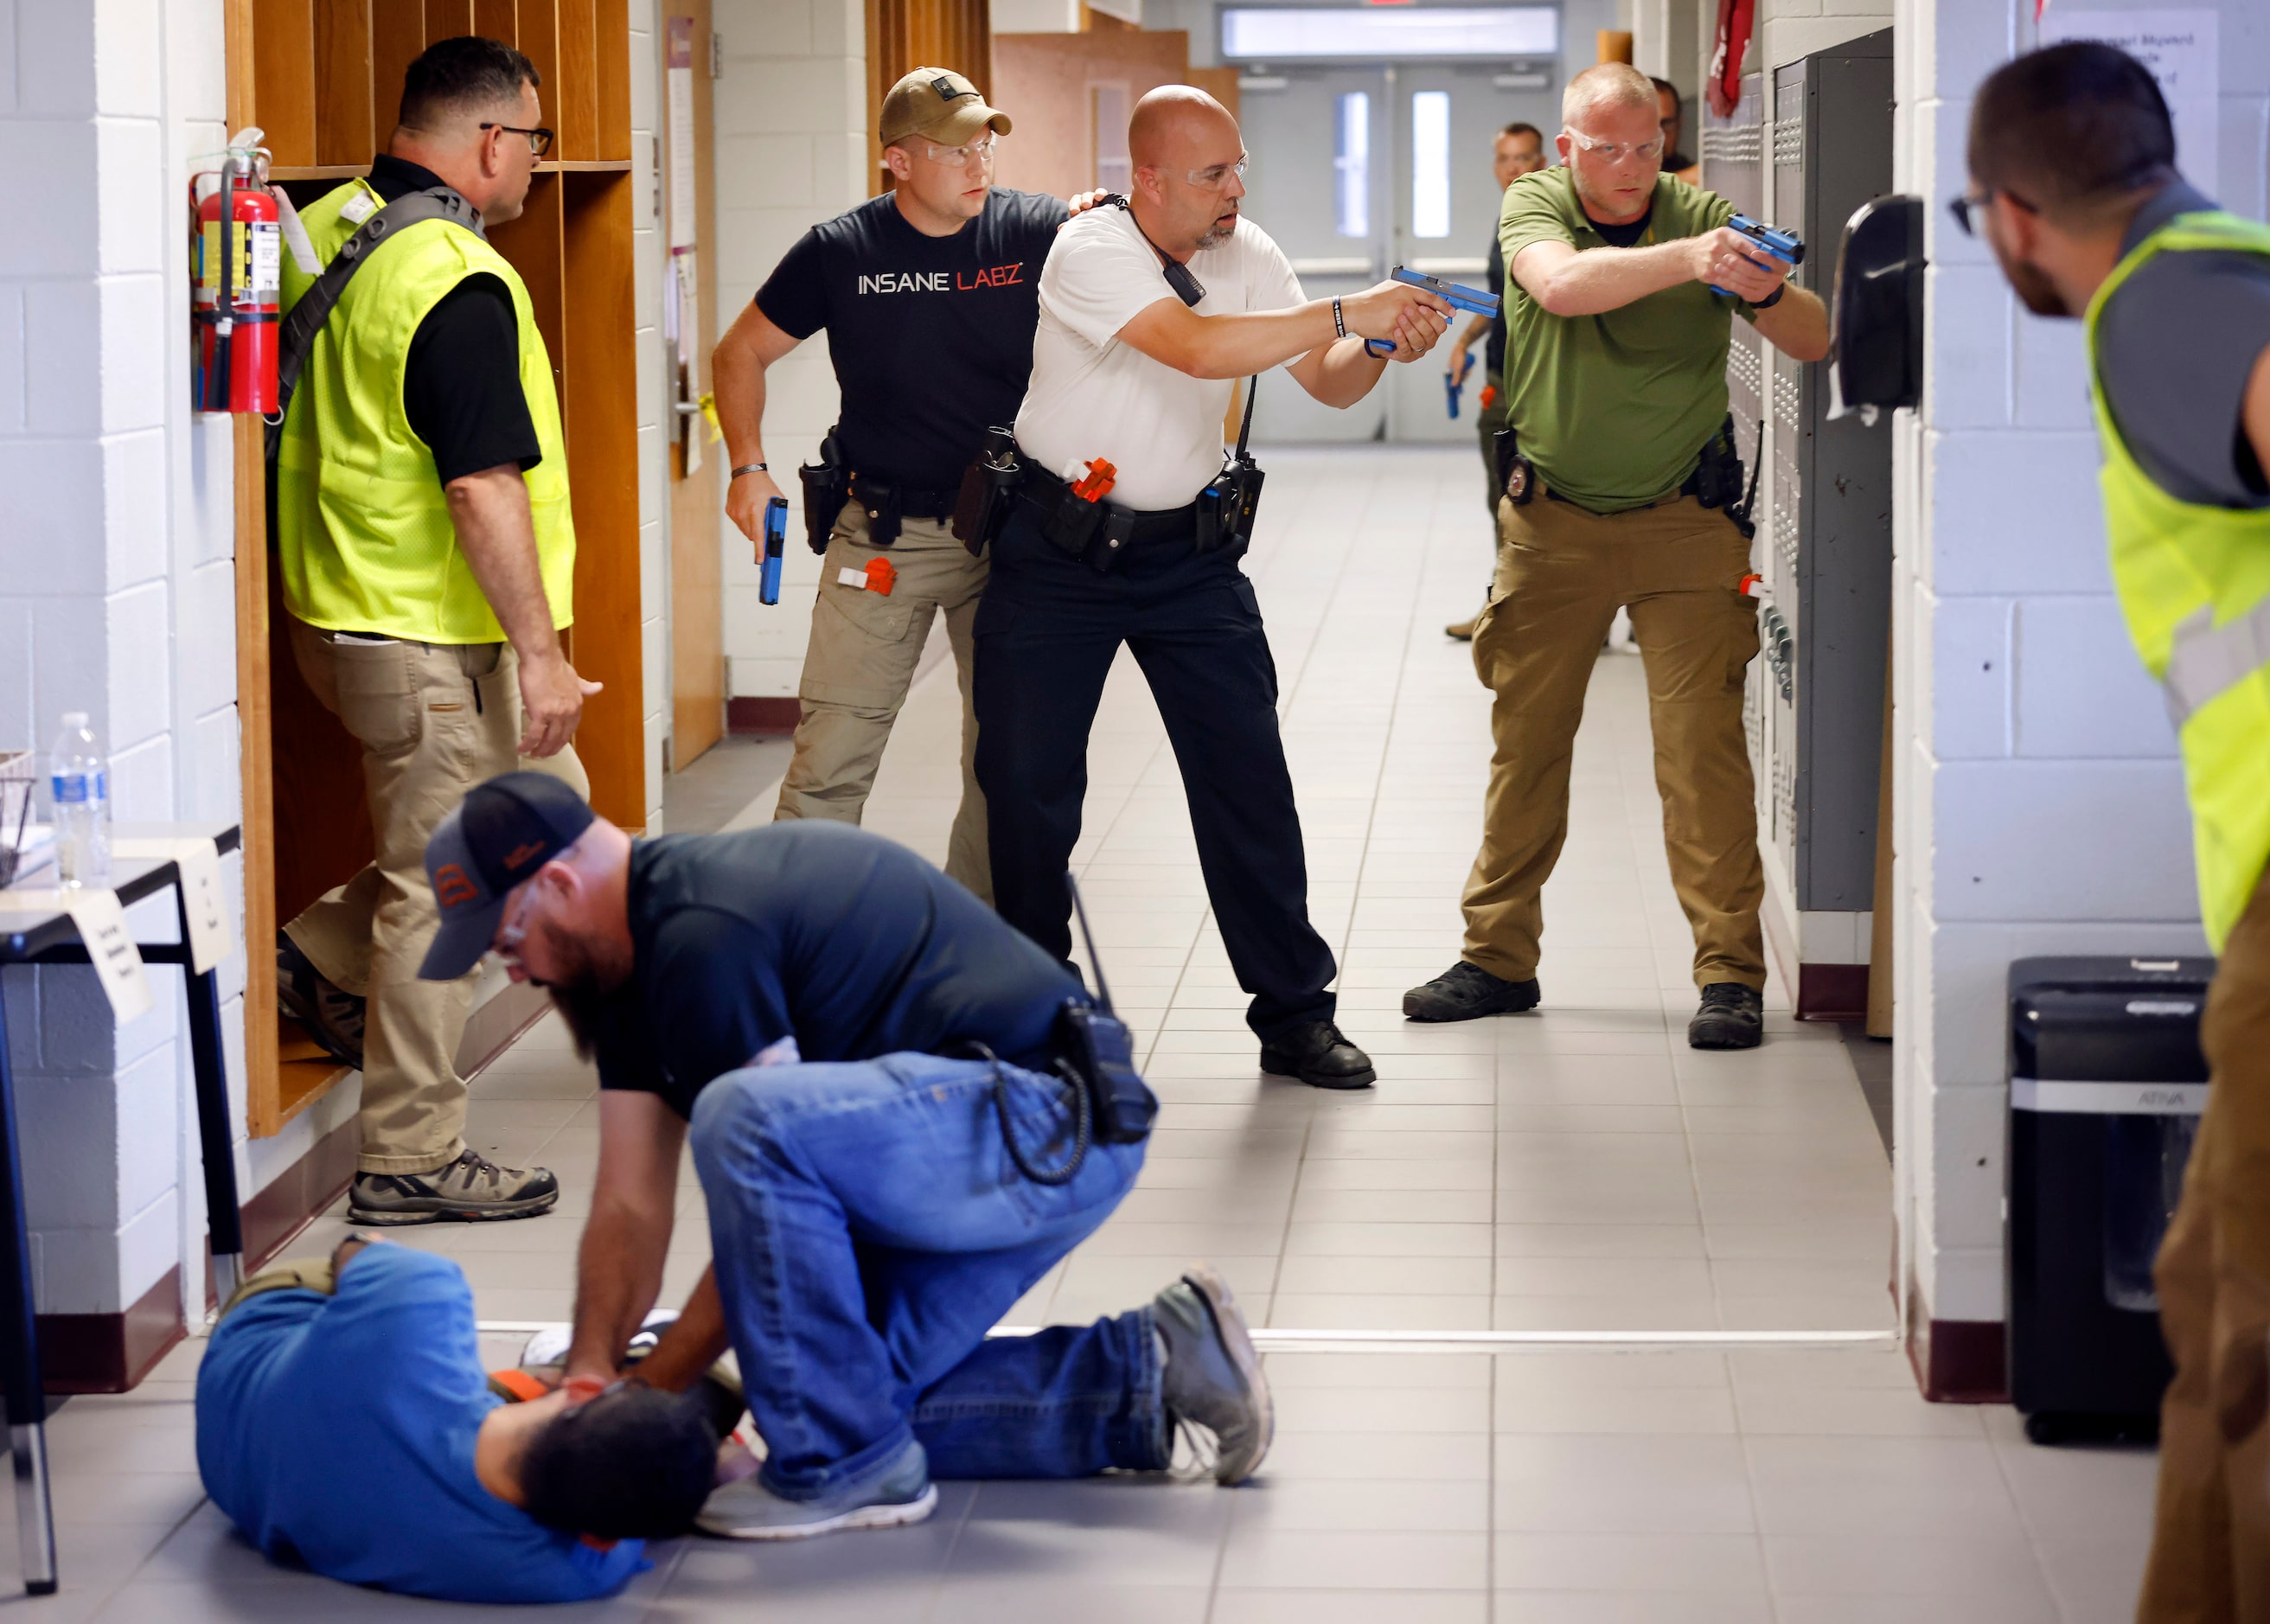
(434, 720)
(2211, 1545)
(859, 665)
(1563, 573)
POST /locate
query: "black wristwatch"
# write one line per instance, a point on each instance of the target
(1768, 304)
(759, 468)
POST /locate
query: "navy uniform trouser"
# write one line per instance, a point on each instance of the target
(1048, 629)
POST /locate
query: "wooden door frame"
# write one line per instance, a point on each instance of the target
(709, 728)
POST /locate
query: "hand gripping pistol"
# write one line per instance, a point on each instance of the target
(1470, 300)
(1784, 246)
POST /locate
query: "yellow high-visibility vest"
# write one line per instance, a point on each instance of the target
(363, 524)
(2195, 584)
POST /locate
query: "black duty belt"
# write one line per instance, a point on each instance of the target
(1042, 492)
(912, 501)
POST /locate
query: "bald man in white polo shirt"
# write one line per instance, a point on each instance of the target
(1149, 312)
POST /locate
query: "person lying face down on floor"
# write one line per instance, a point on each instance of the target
(870, 1218)
(344, 1422)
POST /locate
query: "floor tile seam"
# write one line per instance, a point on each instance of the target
(135, 1571)
(2025, 1521)
(940, 1579)
(1394, 709)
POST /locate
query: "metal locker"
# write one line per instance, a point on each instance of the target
(1815, 701)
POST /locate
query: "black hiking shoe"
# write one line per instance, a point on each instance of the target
(1732, 1016)
(1319, 1054)
(470, 1189)
(1467, 992)
(334, 1018)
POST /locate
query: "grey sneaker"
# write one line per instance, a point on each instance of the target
(746, 1509)
(470, 1190)
(1212, 1377)
(332, 1018)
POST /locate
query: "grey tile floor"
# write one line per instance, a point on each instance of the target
(1577, 1170)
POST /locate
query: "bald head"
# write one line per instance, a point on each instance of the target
(1173, 122)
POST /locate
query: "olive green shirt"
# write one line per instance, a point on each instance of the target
(1613, 410)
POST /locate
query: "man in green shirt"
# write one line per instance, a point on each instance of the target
(1615, 386)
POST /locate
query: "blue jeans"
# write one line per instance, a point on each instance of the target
(868, 1229)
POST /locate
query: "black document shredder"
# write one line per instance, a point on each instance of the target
(2107, 1084)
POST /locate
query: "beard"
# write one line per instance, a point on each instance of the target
(1218, 233)
(2033, 287)
(578, 989)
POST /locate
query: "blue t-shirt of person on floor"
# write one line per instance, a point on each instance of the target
(337, 1432)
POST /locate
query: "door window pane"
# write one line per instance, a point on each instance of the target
(1352, 165)
(1430, 164)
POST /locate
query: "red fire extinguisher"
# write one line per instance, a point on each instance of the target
(236, 264)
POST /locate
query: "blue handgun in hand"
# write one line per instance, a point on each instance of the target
(1783, 245)
(1471, 299)
(776, 545)
(1454, 388)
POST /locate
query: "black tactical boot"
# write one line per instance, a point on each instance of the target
(1319, 1054)
(1732, 1016)
(1467, 992)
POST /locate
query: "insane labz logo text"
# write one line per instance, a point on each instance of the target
(942, 281)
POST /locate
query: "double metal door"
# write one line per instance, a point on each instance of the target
(1357, 169)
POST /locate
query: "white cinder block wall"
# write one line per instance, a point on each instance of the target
(2039, 800)
(792, 134)
(116, 588)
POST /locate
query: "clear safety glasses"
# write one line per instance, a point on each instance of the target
(983, 150)
(1615, 151)
(1219, 176)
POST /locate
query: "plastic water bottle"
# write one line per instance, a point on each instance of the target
(82, 796)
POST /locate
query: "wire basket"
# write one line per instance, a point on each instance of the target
(19, 780)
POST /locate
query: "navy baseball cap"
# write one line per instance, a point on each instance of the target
(500, 834)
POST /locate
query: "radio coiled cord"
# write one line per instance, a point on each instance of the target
(1083, 1131)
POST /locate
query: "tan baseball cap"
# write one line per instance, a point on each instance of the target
(939, 103)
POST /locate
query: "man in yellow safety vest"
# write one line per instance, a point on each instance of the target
(427, 554)
(2073, 185)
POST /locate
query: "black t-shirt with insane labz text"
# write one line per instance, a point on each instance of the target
(828, 934)
(931, 336)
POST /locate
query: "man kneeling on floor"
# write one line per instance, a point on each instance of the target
(881, 1080)
(344, 1422)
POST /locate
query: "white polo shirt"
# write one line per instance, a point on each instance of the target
(1092, 395)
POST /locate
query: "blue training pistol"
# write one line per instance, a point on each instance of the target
(1784, 246)
(1471, 299)
(776, 545)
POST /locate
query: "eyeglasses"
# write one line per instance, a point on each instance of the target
(984, 150)
(514, 930)
(1965, 207)
(1219, 175)
(539, 139)
(1615, 151)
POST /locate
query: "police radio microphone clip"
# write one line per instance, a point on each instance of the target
(1474, 300)
(1784, 246)
(776, 545)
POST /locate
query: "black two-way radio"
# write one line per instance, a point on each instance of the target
(1112, 1104)
(1225, 507)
